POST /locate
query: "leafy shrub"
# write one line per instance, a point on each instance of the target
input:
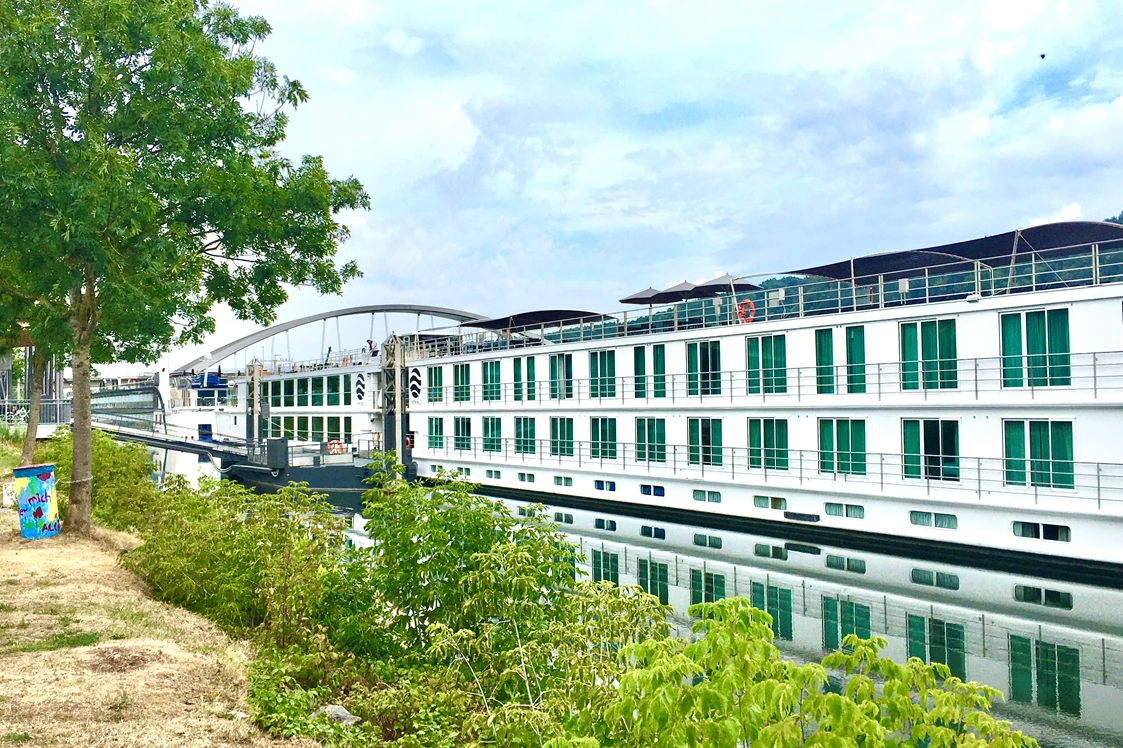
(124, 496)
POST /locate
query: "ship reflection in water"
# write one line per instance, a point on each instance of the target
(1054, 649)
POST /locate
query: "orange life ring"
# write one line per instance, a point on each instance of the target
(335, 447)
(746, 310)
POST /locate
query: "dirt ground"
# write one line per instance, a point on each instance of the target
(87, 658)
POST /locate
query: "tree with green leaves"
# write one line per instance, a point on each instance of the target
(141, 182)
(1115, 219)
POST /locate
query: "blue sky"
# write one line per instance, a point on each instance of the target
(562, 155)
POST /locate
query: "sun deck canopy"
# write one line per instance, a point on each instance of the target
(1052, 240)
(548, 317)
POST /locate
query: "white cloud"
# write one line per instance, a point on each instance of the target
(1071, 212)
(402, 43)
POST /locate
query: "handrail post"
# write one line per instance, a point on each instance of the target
(881, 292)
(800, 294)
(978, 277)
(1095, 264)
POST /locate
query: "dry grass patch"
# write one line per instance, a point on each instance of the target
(87, 658)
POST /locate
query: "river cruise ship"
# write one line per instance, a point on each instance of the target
(965, 397)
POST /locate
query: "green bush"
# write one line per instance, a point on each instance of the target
(123, 495)
(12, 435)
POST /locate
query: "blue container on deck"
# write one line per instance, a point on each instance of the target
(38, 502)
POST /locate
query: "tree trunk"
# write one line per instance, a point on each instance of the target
(83, 322)
(35, 383)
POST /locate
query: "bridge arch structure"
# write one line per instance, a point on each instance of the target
(225, 351)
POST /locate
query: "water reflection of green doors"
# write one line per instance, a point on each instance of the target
(653, 578)
(1052, 668)
(933, 640)
(842, 617)
(777, 602)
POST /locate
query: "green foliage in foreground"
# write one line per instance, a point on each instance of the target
(464, 625)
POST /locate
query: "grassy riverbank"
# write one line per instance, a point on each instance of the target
(88, 658)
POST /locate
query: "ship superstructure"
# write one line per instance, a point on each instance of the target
(965, 395)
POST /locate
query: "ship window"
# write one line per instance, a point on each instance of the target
(766, 367)
(842, 446)
(301, 428)
(435, 388)
(602, 374)
(834, 510)
(1046, 345)
(333, 428)
(493, 434)
(704, 436)
(603, 438)
(317, 392)
(461, 383)
(824, 361)
(855, 359)
(290, 427)
(462, 433)
(524, 435)
(333, 390)
(924, 519)
(561, 437)
(492, 384)
(436, 432)
(931, 449)
(768, 443)
(347, 429)
(928, 355)
(346, 389)
(605, 524)
(645, 489)
(651, 440)
(561, 518)
(659, 490)
(526, 477)
(855, 511)
(703, 367)
(318, 427)
(275, 393)
(561, 376)
(1049, 446)
(301, 393)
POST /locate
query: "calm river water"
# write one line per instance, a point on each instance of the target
(1055, 649)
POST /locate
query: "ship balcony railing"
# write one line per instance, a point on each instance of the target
(334, 360)
(1054, 484)
(1034, 376)
(51, 412)
(799, 297)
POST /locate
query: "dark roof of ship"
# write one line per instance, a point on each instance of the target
(1048, 240)
(536, 319)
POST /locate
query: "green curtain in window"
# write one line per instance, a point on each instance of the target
(776, 443)
(949, 450)
(862, 621)
(930, 355)
(779, 363)
(594, 374)
(955, 649)
(756, 590)
(1014, 438)
(695, 586)
(657, 449)
(1040, 468)
(658, 371)
(718, 586)
(554, 391)
(855, 359)
(1036, 348)
(911, 441)
(830, 623)
(642, 577)
(1012, 350)
(639, 358)
(1061, 451)
(949, 363)
(752, 356)
(692, 369)
(518, 379)
(641, 439)
(756, 453)
(1060, 371)
(782, 619)
(910, 357)
(694, 453)
(842, 444)
(1021, 670)
(530, 378)
(824, 362)
(826, 445)
(715, 451)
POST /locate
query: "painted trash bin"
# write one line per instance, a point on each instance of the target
(38, 502)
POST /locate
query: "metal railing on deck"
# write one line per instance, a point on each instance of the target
(1096, 374)
(51, 412)
(1064, 485)
(1065, 267)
